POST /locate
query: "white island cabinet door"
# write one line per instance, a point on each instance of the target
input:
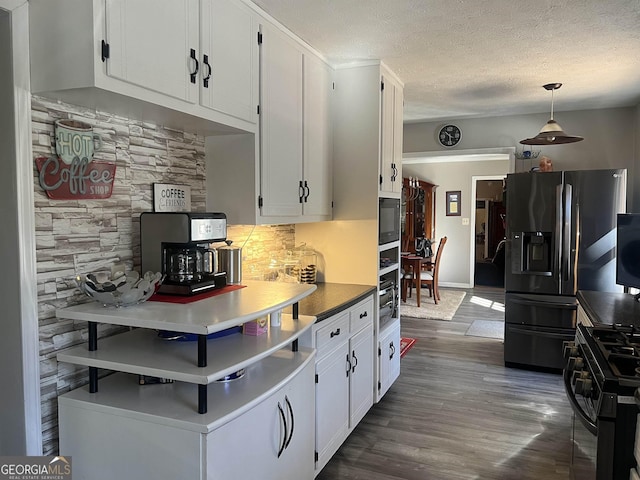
(151, 44)
(229, 77)
(271, 441)
(280, 124)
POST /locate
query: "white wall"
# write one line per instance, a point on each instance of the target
(610, 139)
(455, 264)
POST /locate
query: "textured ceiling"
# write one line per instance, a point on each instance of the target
(482, 58)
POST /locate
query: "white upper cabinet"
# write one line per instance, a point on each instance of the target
(391, 135)
(154, 44)
(282, 186)
(187, 64)
(285, 176)
(318, 138)
(229, 70)
(295, 127)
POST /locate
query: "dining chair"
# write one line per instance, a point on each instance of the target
(429, 278)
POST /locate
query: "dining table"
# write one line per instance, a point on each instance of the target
(412, 264)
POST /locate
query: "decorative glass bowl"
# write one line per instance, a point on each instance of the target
(121, 290)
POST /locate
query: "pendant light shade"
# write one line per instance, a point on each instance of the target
(551, 133)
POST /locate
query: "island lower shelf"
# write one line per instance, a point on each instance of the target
(173, 404)
(141, 351)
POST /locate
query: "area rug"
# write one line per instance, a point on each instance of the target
(444, 310)
(486, 328)
(405, 345)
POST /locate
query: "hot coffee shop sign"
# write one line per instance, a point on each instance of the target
(72, 173)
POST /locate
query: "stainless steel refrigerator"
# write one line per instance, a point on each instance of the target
(561, 238)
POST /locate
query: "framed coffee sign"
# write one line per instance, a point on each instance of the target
(72, 173)
(171, 198)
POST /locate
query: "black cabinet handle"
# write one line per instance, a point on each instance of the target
(362, 315)
(284, 422)
(301, 191)
(306, 195)
(392, 349)
(335, 334)
(394, 175)
(348, 364)
(195, 72)
(286, 399)
(355, 364)
(205, 80)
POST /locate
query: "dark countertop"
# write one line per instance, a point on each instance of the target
(610, 308)
(331, 298)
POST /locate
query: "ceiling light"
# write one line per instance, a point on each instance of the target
(551, 133)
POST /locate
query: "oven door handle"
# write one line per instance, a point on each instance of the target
(537, 333)
(577, 408)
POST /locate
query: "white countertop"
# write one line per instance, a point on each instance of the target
(205, 316)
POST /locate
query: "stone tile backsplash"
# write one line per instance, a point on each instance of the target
(82, 236)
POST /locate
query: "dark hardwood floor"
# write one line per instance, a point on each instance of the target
(457, 413)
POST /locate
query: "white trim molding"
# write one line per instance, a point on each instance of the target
(20, 298)
(476, 155)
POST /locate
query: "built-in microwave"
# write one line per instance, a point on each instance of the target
(389, 220)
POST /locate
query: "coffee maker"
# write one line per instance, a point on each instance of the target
(177, 244)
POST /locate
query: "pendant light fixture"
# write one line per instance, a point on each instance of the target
(551, 133)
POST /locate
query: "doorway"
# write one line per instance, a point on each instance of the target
(488, 231)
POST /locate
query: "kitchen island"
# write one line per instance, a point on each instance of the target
(126, 430)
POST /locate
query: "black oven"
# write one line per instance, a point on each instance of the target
(601, 395)
(389, 220)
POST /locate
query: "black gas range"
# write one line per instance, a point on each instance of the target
(601, 378)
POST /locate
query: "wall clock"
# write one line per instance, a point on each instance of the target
(449, 135)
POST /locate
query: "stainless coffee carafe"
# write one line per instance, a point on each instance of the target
(231, 262)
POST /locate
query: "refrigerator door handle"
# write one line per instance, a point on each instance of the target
(566, 234)
(559, 230)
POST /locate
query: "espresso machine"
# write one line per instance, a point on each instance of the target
(177, 244)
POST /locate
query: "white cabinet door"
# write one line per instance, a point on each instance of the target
(318, 138)
(280, 124)
(273, 440)
(300, 406)
(391, 137)
(361, 376)
(389, 359)
(398, 128)
(155, 44)
(332, 403)
(229, 53)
